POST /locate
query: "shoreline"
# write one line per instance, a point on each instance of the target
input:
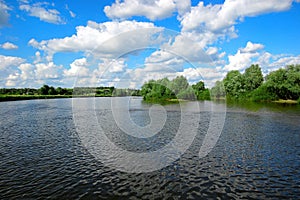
(5, 98)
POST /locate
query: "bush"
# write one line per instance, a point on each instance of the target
(262, 94)
(204, 95)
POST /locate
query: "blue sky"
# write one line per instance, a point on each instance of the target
(125, 43)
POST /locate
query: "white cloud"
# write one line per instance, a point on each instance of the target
(183, 6)
(116, 66)
(240, 61)
(31, 75)
(9, 61)
(12, 80)
(8, 46)
(4, 15)
(152, 9)
(218, 17)
(109, 39)
(209, 23)
(252, 47)
(79, 68)
(72, 14)
(244, 57)
(47, 71)
(187, 48)
(163, 61)
(41, 11)
(283, 61)
(27, 72)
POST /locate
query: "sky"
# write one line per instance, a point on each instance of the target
(125, 43)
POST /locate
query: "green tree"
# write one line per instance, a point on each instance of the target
(188, 94)
(52, 91)
(179, 84)
(44, 90)
(253, 78)
(200, 91)
(285, 82)
(218, 90)
(234, 84)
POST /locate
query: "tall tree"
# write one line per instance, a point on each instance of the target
(44, 90)
(179, 84)
(253, 77)
(218, 90)
(234, 84)
(285, 82)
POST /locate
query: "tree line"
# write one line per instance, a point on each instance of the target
(47, 90)
(178, 88)
(283, 83)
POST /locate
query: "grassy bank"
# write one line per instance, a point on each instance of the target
(286, 101)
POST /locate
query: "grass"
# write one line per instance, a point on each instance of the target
(176, 100)
(288, 101)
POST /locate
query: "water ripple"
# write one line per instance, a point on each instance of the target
(41, 157)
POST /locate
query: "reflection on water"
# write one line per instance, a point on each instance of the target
(41, 156)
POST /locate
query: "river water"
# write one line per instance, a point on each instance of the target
(46, 150)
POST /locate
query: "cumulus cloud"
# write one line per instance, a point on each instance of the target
(8, 46)
(251, 47)
(109, 39)
(222, 16)
(209, 23)
(79, 68)
(41, 11)
(27, 71)
(31, 75)
(4, 15)
(187, 48)
(116, 65)
(9, 61)
(163, 61)
(244, 57)
(152, 9)
(282, 61)
(47, 71)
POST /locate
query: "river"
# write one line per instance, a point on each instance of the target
(50, 149)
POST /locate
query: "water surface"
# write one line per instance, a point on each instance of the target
(41, 155)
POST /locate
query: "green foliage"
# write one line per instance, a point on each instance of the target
(234, 84)
(179, 84)
(164, 89)
(52, 91)
(44, 90)
(280, 84)
(188, 94)
(218, 91)
(157, 90)
(262, 94)
(253, 78)
(204, 95)
(285, 83)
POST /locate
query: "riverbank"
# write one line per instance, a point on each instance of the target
(289, 101)
(31, 97)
